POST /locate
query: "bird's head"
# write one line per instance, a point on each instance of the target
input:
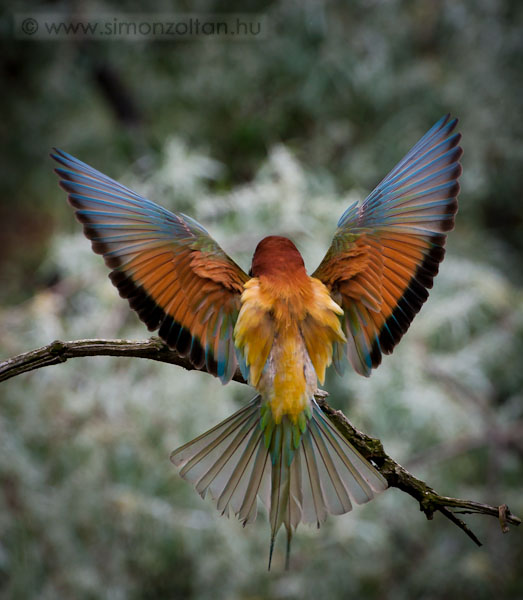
(277, 257)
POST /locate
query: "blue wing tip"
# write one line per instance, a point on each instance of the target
(56, 154)
(447, 123)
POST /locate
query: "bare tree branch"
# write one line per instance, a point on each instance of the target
(397, 476)
(371, 448)
(59, 352)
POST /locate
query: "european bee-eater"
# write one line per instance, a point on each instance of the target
(282, 327)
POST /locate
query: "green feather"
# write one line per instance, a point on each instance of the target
(287, 431)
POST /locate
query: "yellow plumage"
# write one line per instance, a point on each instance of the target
(285, 333)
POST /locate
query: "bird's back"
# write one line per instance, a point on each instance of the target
(285, 330)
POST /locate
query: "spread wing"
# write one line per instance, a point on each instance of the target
(386, 251)
(174, 275)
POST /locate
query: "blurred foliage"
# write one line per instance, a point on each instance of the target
(280, 136)
(347, 88)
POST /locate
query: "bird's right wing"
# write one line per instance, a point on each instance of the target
(386, 251)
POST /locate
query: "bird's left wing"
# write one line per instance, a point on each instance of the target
(386, 252)
(174, 275)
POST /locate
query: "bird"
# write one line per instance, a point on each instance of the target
(278, 325)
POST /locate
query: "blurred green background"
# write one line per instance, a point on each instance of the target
(271, 135)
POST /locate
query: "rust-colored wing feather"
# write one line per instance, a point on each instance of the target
(386, 252)
(174, 275)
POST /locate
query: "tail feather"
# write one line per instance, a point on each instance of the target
(336, 496)
(314, 509)
(300, 481)
(236, 488)
(295, 505)
(260, 473)
(206, 442)
(280, 482)
(280, 489)
(359, 476)
(210, 460)
(222, 471)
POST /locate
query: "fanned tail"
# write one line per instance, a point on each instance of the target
(300, 473)
(230, 462)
